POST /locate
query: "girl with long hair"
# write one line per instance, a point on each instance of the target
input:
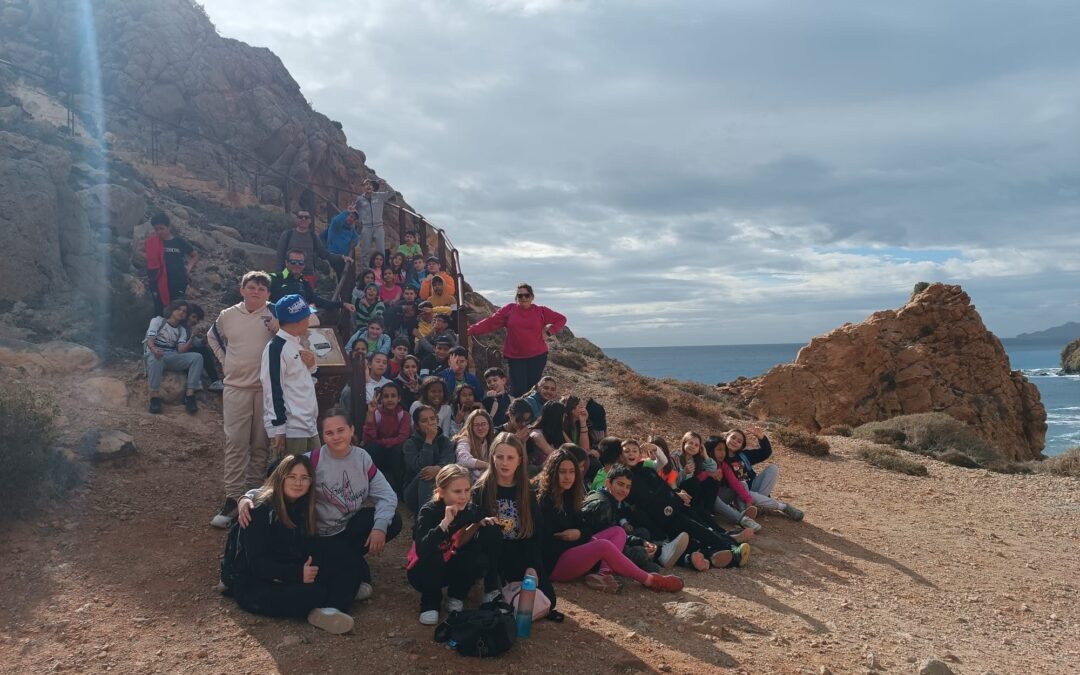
(547, 433)
(472, 445)
(570, 548)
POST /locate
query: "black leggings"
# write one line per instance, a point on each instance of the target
(509, 560)
(270, 598)
(344, 552)
(525, 373)
(702, 496)
(457, 575)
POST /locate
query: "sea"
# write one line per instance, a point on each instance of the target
(723, 363)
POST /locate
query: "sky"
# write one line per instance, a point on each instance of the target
(715, 171)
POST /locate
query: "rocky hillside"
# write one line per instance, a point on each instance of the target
(1070, 357)
(932, 355)
(210, 130)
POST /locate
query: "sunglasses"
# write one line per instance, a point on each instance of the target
(303, 216)
(294, 261)
(524, 296)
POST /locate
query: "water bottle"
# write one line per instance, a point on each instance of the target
(525, 603)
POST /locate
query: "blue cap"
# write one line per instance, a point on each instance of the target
(291, 309)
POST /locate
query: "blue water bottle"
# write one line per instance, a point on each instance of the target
(526, 599)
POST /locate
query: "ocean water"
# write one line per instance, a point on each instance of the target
(723, 363)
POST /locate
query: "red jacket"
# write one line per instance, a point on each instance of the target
(388, 430)
(155, 267)
(524, 328)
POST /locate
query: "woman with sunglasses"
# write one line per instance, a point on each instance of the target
(527, 327)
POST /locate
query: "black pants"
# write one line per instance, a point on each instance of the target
(509, 560)
(391, 461)
(525, 373)
(270, 598)
(702, 496)
(209, 361)
(344, 554)
(457, 575)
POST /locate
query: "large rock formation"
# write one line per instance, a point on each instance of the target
(932, 354)
(1070, 357)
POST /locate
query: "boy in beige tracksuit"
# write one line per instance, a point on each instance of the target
(238, 338)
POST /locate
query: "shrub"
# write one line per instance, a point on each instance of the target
(566, 359)
(919, 288)
(640, 391)
(1066, 464)
(1003, 466)
(801, 441)
(891, 460)
(34, 467)
(929, 434)
(958, 459)
(837, 430)
(693, 407)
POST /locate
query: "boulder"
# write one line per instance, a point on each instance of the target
(47, 357)
(107, 392)
(934, 354)
(934, 667)
(1070, 357)
(103, 446)
(254, 256)
(113, 207)
(698, 616)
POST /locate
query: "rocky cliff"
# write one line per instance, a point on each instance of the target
(114, 109)
(1070, 357)
(932, 355)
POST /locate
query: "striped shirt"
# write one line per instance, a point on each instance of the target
(165, 337)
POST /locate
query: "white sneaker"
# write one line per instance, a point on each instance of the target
(216, 385)
(454, 605)
(430, 617)
(670, 552)
(365, 591)
(750, 524)
(330, 620)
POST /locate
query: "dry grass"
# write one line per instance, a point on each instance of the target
(1066, 464)
(567, 359)
(801, 441)
(837, 430)
(891, 460)
(929, 434)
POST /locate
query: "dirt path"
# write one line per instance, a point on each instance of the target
(974, 568)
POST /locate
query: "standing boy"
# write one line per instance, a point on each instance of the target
(169, 261)
(290, 409)
(238, 339)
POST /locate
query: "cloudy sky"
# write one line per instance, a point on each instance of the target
(716, 172)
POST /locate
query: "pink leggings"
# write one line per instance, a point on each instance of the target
(604, 548)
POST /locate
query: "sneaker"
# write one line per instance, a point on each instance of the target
(454, 605)
(670, 552)
(605, 583)
(190, 405)
(722, 558)
(365, 591)
(430, 617)
(225, 517)
(669, 583)
(750, 524)
(742, 535)
(155, 405)
(698, 561)
(742, 555)
(330, 620)
(492, 596)
(216, 385)
(792, 512)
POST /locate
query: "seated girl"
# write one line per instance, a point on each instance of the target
(576, 424)
(275, 573)
(547, 434)
(449, 539)
(386, 428)
(355, 507)
(375, 264)
(666, 467)
(740, 461)
(463, 402)
(397, 264)
(408, 379)
(433, 393)
(390, 288)
(472, 445)
(695, 474)
(570, 548)
(426, 451)
(727, 494)
(503, 492)
(363, 280)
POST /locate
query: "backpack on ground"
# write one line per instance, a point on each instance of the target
(485, 632)
(234, 563)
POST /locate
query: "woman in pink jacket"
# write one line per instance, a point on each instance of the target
(527, 325)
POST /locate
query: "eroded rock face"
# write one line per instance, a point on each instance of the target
(932, 355)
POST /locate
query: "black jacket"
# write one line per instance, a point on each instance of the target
(429, 537)
(600, 511)
(553, 520)
(273, 552)
(283, 283)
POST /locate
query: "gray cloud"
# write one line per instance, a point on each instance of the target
(707, 172)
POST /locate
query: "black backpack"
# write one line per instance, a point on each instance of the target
(490, 631)
(234, 563)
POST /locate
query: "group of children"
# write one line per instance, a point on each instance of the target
(494, 488)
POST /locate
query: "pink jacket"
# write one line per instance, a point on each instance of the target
(524, 328)
(735, 484)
